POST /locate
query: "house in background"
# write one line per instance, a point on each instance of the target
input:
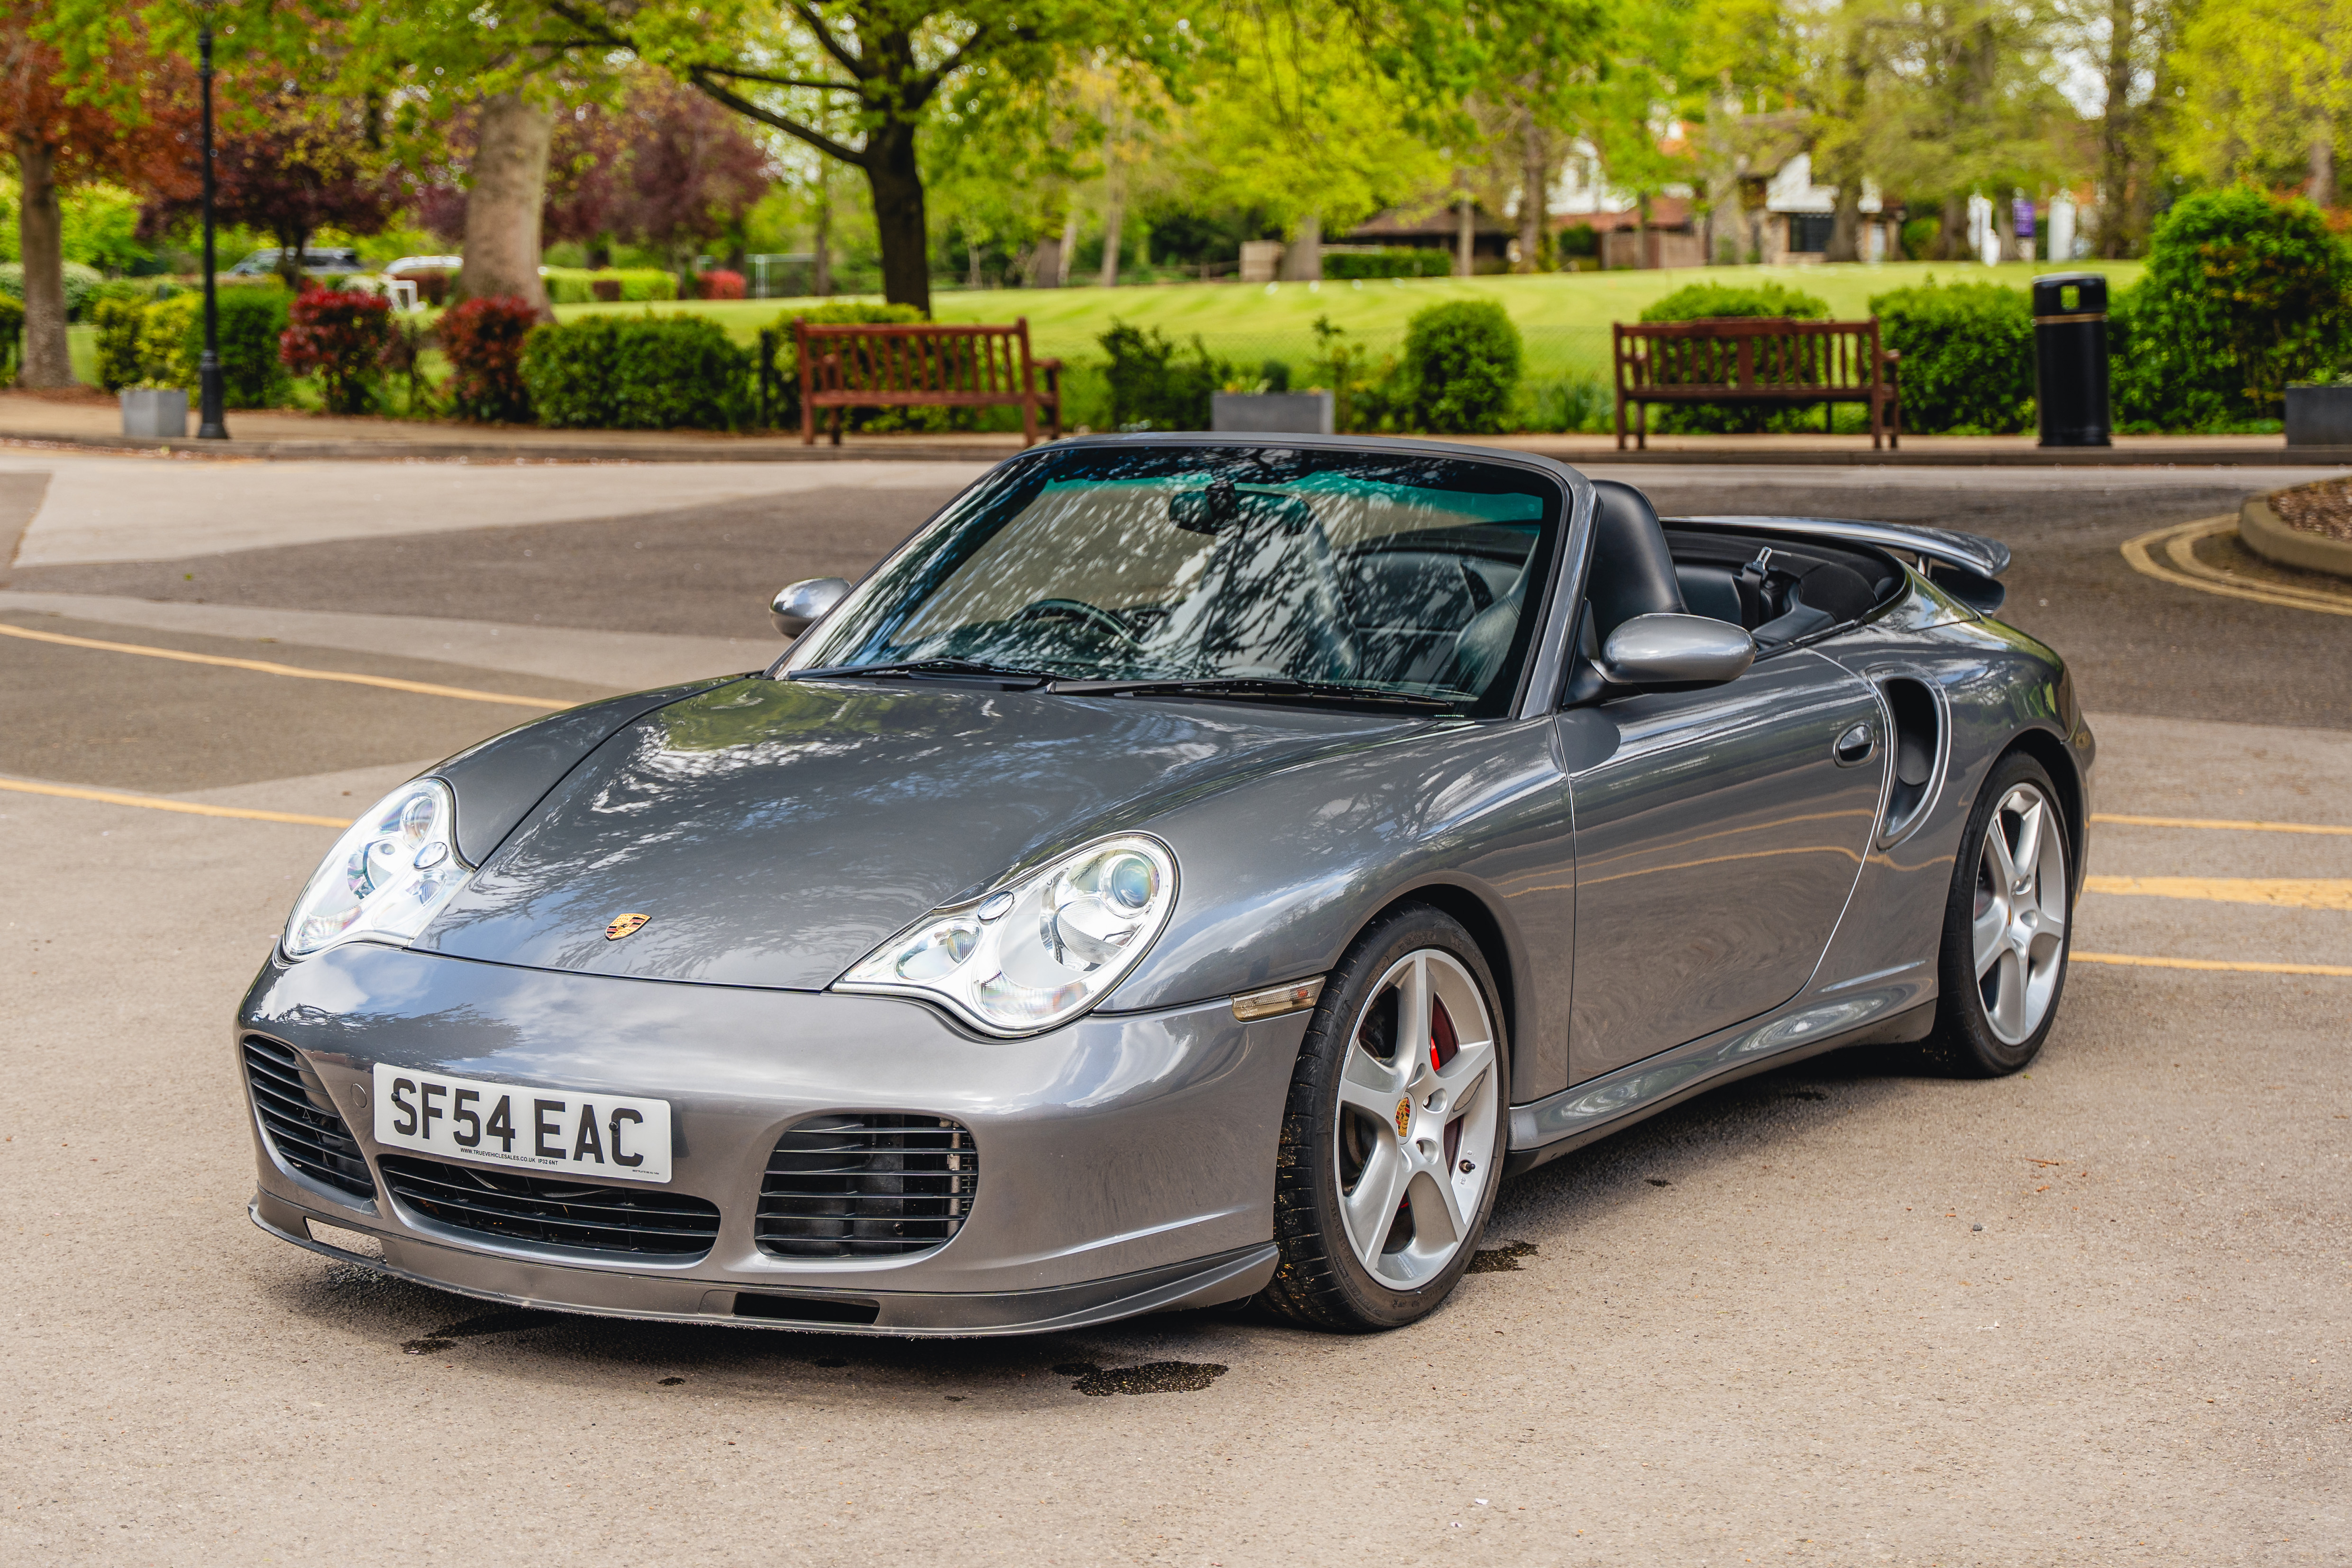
(1435, 228)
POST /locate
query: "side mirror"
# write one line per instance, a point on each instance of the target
(800, 604)
(1677, 650)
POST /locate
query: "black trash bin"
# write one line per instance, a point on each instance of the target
(2070, 359)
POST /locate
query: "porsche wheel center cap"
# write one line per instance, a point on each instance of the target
(1404, 1115)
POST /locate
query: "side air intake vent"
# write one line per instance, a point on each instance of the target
(1919, 760)
(300, 1121)
(873, 1185)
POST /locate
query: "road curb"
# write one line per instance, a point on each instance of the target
(2260, 530)
(489, 448)
(495, 451)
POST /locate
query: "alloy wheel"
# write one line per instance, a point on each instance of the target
(1417, 1088)
(2019, 928)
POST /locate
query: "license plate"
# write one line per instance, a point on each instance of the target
(598, 1137)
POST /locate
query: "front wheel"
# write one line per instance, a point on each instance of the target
(2006, 927)
(1393, 1137)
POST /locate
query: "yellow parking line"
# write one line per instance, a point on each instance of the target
(2137, 961)
(2280, 892)
(2220, 824)
(150, 803)
(421, 687)
(2180, 567)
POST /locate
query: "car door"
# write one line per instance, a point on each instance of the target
(1718, 836)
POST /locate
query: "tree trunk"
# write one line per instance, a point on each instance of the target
(1952, 232)
(1466, 237)
(1114, 227)
(821, 272)
(1642, 232)
(1302, 258)
(2321, 187)
(1534, 192)
(897, 186)
(1069, 248)
(1845, 225)
(503, 211)
(2115, 126)
(42, 236)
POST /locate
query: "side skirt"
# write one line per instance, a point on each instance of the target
(1578, 1115)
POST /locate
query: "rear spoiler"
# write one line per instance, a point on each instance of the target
(1968, 567)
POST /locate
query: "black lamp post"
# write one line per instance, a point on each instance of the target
(210, 426)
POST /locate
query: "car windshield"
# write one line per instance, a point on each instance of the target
(1395, 574)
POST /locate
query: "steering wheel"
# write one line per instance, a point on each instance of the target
(1078, 609)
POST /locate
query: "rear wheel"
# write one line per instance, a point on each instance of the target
(2006, 928)
(1394, 1134)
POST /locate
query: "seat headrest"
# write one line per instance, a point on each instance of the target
(1633, 571)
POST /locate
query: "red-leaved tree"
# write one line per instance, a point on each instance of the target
(81, 99)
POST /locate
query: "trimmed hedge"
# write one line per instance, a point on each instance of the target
(161, 341)
(1459, 373)
(637, 372)
(1968, 356)
(83, 285)
(1394, 261)
(2242, 294)
(638, 285)
(1737, 302)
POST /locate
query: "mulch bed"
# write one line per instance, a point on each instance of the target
(2324, 509)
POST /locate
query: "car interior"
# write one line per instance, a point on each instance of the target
(1782, 589)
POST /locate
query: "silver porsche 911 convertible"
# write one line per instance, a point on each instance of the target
(1190, 870)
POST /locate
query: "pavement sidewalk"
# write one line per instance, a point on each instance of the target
(91, 420)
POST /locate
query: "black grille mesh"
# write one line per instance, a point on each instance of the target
(554, 1213)
(880, 1185)
(300, 1122)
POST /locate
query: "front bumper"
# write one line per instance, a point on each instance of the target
(1126, 1160)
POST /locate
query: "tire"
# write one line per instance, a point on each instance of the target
(1363, 1062)
(2007, 927)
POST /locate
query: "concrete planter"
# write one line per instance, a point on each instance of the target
(151, 411)
(2260, 531)
(2319, 415)
(1271, 413)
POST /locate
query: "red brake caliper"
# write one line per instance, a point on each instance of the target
(1443, 1043)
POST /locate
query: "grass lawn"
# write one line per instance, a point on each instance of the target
(1564, 316)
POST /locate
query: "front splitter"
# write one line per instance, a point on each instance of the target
(612, 1293)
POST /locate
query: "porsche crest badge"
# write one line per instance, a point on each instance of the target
(1404, 1115)
(625, 925)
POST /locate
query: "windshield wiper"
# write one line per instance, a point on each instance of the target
(916, 666)
(1260, 687)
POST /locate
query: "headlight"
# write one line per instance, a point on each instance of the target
(1039, 952)
(386, 878)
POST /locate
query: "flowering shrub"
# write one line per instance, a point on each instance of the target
(339, 335)
(718, 284)
(483, 340)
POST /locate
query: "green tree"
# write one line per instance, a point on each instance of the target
(862, 80)
(2265, 93)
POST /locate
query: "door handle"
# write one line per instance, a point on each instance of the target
(1854, 746)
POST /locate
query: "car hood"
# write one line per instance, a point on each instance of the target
(776, 832)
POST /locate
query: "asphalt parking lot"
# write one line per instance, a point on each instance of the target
(1845, 1314)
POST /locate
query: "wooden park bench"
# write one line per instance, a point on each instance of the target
(1771, 360)
(923, 365)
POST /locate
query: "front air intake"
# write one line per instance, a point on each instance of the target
(300, 1121)
(873, 1185)
(550, 1212)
